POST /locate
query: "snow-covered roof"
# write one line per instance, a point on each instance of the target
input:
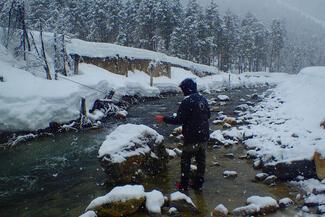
(107, 50)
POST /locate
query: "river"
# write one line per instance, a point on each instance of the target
(59, 176)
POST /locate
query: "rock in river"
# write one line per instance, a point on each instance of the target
(131, 152)
(261, 176)
(266, 205)
(230, 174)
(121, 201)
(220, 211)
(257, 206)
(182, 202)
(223, 98)
(154, 201)
(285, 202)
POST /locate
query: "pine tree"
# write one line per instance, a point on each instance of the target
(261, 35)
(248, 41)
(128, 35)
(214, 25)
(146, 26)
(100, 15)
(204, 41)
(178, 45)
(230, 41)
(115, 20)
(165, 22)
(277, 43)
(190, 29)
(39, 14)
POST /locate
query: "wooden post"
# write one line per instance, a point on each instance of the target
(169, 70)
(63, 53)
(229, 82)
(83, 108)
(150, 69)
(76, 64)
(83, 112)
(56, 58)
(132, 65)
(126, 62)
(151, 77)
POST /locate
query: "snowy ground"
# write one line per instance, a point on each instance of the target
(286, 125)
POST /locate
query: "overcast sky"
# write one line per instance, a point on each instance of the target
(301, 16)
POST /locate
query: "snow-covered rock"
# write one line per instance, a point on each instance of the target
(177, 131)
(257, 164)
(242, 107)
(230, 120)
(270, 179)
(171, 153)
(266, 204)
(131, 150)
(229, 155)
(128, 140)
(285, 202)
(172, 211)
(121, 114)
(215, 109)
(233, 134)
(121, 201)
(261, 176)
(230, 174)
(321, 209)
(154, 201)
(223, 98)
(248, 210)
(220, 211)
(182, 202)
(217, 122)
(217, 138)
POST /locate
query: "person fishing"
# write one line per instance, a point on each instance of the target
(193, 114)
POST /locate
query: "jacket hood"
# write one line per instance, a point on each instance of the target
(188, 86)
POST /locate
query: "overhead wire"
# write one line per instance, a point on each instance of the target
(84, 85)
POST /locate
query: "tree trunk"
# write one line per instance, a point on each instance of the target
(46, 65)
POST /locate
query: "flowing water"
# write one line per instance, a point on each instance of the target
(59, 176)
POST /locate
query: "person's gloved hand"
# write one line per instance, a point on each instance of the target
(159, 118)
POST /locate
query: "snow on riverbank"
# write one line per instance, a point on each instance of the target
(28, 102)
(286, 125)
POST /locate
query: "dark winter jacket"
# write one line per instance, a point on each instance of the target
(193, 114)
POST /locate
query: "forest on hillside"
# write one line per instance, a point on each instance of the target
(202, 35)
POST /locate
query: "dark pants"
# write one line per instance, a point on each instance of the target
(197, 151)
